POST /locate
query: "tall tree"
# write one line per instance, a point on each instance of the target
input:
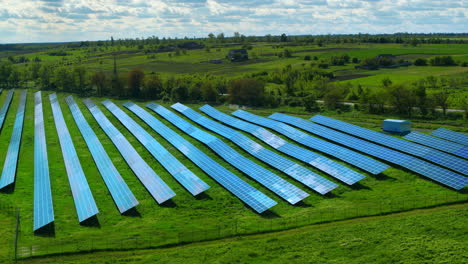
(153, 88)
(135, 82)
(99, 80)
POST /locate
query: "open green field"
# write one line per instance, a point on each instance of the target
(263, 58)
(213, 215)
(423, 236)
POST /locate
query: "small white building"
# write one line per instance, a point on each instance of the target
(396, 126)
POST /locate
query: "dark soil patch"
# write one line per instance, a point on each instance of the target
(349, 77)
(311, 50)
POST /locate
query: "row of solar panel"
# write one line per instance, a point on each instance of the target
(251, 196)
(257, 200)
(270, 180)
(412, 163)
(123, 197)
(349, 156)
(9, 167)
(451, 135)
(320, 162)
(438, 143)
(5, 107)
(294, 170)
(43, 206)
(433, 155)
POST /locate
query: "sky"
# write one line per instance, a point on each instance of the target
(26, 21)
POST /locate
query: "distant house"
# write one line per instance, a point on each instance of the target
(238, 55)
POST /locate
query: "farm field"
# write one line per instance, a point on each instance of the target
(186, 218)
(264, 57)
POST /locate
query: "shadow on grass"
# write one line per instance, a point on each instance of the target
(302, 204)
(46, 231)
(169, 204)
(91, 222)
(383, 177)
(359, 186)
(331, 195)
(203, 196)
(269, 215)
(133, 212)
(9, 189)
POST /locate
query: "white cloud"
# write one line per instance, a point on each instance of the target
(66, 20)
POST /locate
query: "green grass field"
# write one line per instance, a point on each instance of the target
(421, 236)
(185, 216)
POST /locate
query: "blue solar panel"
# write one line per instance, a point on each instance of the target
(123, 197)
(189, 180)
(320, 162)
(43, 207)
(438, 143)
(84, 200)
(4, 109)
(414, 164)
(444, 133)
(11, 161)
(294, 170)
(248, 194)
(438, 157)
(1, 90)
(155, 185)
(368, 164)
(276, 184)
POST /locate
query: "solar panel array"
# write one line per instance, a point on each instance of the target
(84, 200)
(248, 194)
(436, 156)
(368, 164)
(448, 134)
(4, 109)
(123, 197)
(438, 143)
(11, 160)
(179, 171)
(152, 182)
(320, 162)
(414, 164)
(276, 184)
(43, 206)
(294, 170)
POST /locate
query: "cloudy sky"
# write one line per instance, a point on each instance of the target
(71, 20)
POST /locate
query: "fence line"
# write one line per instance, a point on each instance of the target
(230, 227)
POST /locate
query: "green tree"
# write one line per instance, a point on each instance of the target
(246, 92)
(153, 88)
(208, 91)
(99, 80)
(135, 82)
(420, 62)
(310, 103)
(441, 99)
(81, 83)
